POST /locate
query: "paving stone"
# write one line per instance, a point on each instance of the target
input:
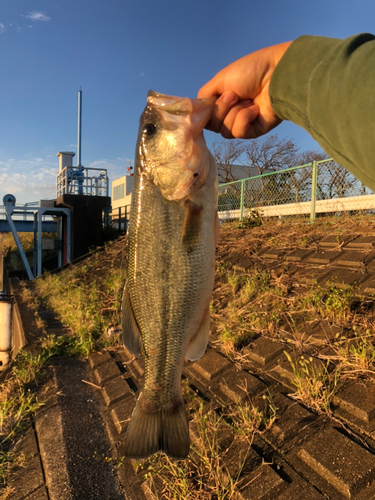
(336, 461)
(264, 350)
(323, 257)
(358, 398)
(27, 478)
(370, 262)
(223, 437)
(121, 413)
(39, 494)
(241, 386)
(106, 372)
(273, 253)
(115, 391)
(314, 276)
(263, 484)
(352, 259)
(243, 265)
(298, 255)
(99, 358)
(126, 355)
(368, 286)
(362, 243)
(291, 418)
(301, 491)
(319, 333)
(283, 371)
(334, 241)
(342, 278)
(27, 444)
(211, 365)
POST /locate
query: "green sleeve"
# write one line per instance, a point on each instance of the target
(327, 86)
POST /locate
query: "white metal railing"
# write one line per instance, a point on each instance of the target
(82, 181)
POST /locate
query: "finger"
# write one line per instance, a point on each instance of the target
(245, 124)
(209, 89)
(236, 122)
(220, 110)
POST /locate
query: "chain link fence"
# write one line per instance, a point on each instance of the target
(317, 187)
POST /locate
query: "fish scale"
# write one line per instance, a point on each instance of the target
(170, 267)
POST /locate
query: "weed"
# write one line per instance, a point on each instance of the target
(357, 355)
(203, 475)
(314, 383)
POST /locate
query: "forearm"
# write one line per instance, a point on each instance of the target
(327, 86)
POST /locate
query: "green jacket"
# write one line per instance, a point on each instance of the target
(327, 86)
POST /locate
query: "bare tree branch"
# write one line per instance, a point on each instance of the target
(226, 153)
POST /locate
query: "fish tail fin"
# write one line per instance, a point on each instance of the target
(150, 432)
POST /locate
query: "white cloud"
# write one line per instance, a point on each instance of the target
(142, 73)
(32, 178)
(29, 179)
(2, 28)
(37, 16)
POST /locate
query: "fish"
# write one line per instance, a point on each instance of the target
(172, 238)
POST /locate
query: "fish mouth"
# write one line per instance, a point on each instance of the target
(183, 166)
(199, 109)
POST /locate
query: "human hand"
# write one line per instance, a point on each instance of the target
(243, 109)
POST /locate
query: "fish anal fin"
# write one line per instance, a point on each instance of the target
(131, 334)
(198, 343)
(191, 226)
(150, 432)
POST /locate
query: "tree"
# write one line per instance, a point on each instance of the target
(226, 153)
(311, 155)
(269, 154)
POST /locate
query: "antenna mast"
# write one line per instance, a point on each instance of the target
(79, 127)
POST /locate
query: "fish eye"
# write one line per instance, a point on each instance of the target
(149, 129)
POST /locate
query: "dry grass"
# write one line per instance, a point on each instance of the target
(220, 452)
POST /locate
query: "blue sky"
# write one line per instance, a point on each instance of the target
(117, 50)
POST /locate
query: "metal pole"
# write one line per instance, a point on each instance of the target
(79, 128)
(314, 183)
(8, 212)
(40, 253)
(242, 199)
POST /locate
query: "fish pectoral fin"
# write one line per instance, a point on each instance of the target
(191, 226)
(131, 334)
(198, 343)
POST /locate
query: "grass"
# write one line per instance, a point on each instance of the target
(88, 304)
(270, 301)
(219, 453)
(314, 383)
(266, 301)
(18, 404)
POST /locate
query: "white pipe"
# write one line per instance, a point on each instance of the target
(5, 330)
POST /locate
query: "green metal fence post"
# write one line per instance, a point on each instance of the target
(242, 201)
(314, 183)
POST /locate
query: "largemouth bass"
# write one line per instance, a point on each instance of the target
(172, 237)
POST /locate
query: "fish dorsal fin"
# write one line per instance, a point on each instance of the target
(131, 334)
(198, 343)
